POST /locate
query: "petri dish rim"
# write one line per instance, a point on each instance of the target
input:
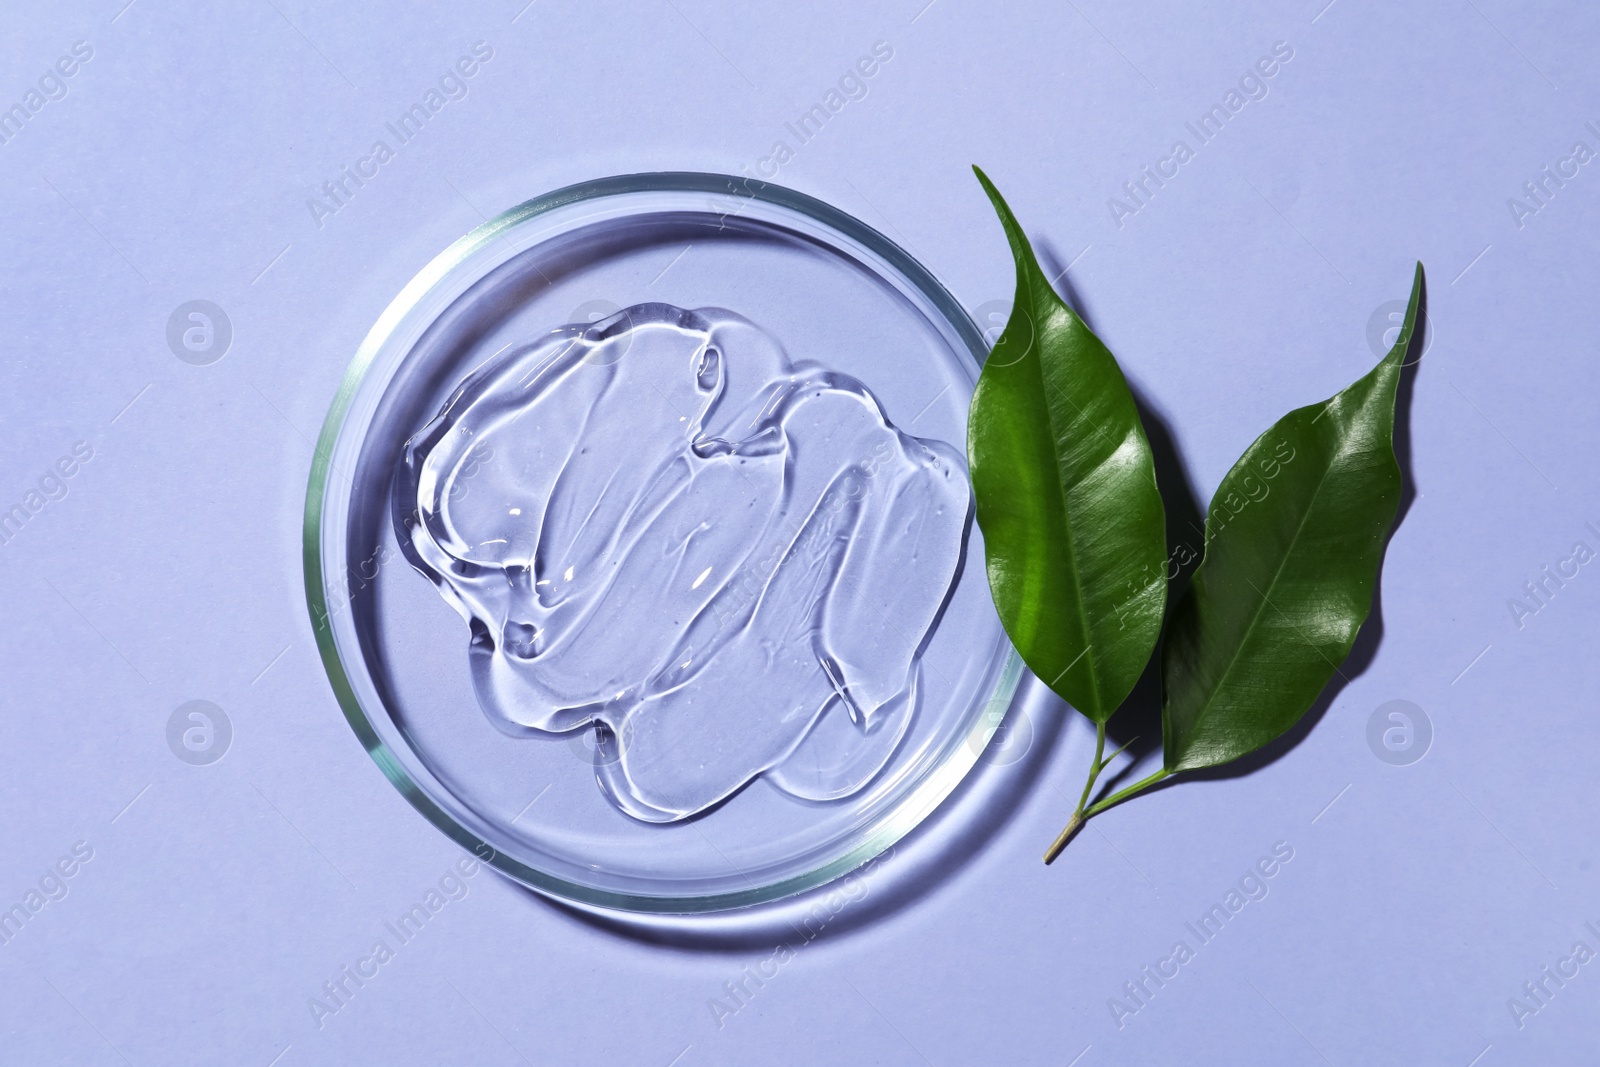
(890, 827)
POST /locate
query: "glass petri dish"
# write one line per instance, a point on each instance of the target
(793, 769)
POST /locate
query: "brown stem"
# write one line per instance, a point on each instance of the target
(1060, 842)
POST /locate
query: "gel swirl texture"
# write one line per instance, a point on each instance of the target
(725, 563)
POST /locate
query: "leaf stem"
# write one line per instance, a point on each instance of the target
(1094, 768)
(1118, 797)
(1062, 838)
(1078, 816)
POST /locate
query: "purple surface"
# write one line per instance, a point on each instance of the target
(182, 163)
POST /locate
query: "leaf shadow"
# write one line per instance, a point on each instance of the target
(1137, 722)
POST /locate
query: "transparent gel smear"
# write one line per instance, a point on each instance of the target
(724, 563)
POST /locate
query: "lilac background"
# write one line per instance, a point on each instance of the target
(220, 898)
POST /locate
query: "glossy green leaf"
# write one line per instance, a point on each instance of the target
(1072, 521)
(1294, 542)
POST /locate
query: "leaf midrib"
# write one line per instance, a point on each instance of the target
(1066, 511)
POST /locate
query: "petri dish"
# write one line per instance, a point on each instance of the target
(639, 546)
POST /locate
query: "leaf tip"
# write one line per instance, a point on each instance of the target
(989, 189)
(1413, 310)
(1021, 250)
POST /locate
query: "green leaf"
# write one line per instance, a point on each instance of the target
(1294, 542)
(1066, 497)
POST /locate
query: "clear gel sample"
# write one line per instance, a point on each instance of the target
(662, 529)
